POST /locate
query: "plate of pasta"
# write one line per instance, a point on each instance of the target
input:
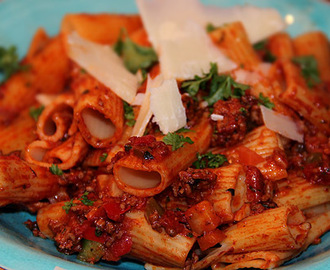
(164, 135)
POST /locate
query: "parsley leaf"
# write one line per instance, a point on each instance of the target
(67, 206)
(103, 157)
(192, 86)
(261, 46)
(219, 86)
(210, 27)
(265, 101)
(84, 199)
(129, 114)
(35, 112)
(309, 71)
(54, 169)
(223, 87)
(135, 57)
(209, 160)
(9, 62)
(177, 141)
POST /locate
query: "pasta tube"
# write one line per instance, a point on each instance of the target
(99, 115)
(21, 182)
(155, 247)
(141, 177)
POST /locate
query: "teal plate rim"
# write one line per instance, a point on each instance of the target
(19, 249)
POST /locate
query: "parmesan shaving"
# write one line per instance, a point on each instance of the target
(246, 77)
(45, 99)
(145, 113)
(138, 99)
(190, 53)
(166, 106)
(281, 124)
(104, 64)
(180, 39)
(251, 17)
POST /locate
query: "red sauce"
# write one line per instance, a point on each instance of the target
(255, 184)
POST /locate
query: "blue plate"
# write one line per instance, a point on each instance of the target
(19, 19)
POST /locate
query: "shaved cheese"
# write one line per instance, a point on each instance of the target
(104, 64)
(281, 124)
(179, 37)
(264, 68)
(190, 52)
(45, 99)
(259, 23)
(145, 113)
(172, 12)
(138, 99)
(246, 77)
(216, 117)
(166, 106)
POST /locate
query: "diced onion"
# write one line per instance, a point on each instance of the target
(216, 117)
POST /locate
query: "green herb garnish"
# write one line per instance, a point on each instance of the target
(129, 114)
(210, 27)
(209, 160)
(54, 169)
(220, 86)
(135, 57)
(67, 206)
(265, 101)
(35, 112)
(84, 199)
(309, 71)
(176, 140)
(103, 157)
(261, 46)
(9, 62)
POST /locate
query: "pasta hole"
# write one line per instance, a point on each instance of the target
(97, 125)
(50, 128)
(139, 179)
(38, 153)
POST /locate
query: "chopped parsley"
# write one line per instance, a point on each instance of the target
(209, 160)
(210, 27)
(309, 71)
(84, 199)
(103, 157)
(267, 54)
(98, 232)
(176, 140)
(265, 101)
(259, 46)
(129, 114)
(35, 112)
(9, 62)
(190, 235)
(54, 169)
(135, 57)
(67, 206)
(243, 110)
(220, 86)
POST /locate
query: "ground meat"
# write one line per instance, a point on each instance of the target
(147, 147)
(193, 183)
(172, 222)
(317, 173)
(239, 117)
(255, 184)
(33, 227)
(193, 111)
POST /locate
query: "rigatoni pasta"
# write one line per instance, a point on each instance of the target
(232, 172)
